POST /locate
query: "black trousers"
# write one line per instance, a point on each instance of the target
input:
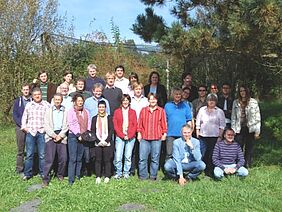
(103, 155)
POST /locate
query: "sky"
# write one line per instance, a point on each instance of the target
(95, 15)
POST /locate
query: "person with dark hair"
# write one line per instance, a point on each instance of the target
(102, 126)
(80, 89)
(120, 81)
(228, 157)
(125, 125)
(246, 122)
(92, 78)
(185, 97)
(225, 102)
(133, 78)
(156, 88)
(201, 101)
(152, 129)
(33, 126)
(55, 125)
(18, 110)
(187, 82)
(78, 122)
(48, 89)
(68, 77)
(214, 88)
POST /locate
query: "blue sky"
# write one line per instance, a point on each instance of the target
(95, 15)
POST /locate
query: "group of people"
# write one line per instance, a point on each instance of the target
(110, 127)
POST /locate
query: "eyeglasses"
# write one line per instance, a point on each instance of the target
(201, 90)
(213, 88)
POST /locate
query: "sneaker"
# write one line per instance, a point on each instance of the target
(98, 180)
(126, 176)
(44, 184)
(116, 177)
(26, 177)
(106, 180)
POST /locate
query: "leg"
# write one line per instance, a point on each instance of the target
(143, 161)
(79, 155)
(30, 146)
(127, 155)
(155, 158)
(249, 149)
(242, 172)
(98, 161)
(194, 168)
(20, 136)
(62, 159)
(108, 160)
(218, 173)
(210, 142)
(134, 158)
(169, 144)
(40, 140)
(72, 147)
(170, 168)
(118, 155)
(50, 151)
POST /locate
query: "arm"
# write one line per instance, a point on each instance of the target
(25, 119)
(65, 129)
(117, 125)
(48, 124)
(110, 129)
(16, 114)
(73, 123)
(163, 125)
(132, 124)
(216, 157)
(196, 152)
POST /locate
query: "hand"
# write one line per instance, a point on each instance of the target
(126, 137)
(219, 139)
(182, 181)
(189, 143)
(58, 138)
(163, 137)
(232, 170)
(139, 136)
(257, 136)
(227, 171)
(25, 130)
(80, 138)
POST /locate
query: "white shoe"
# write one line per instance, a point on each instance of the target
(98, 180)
(117, 177)
(106, 180)
(126, 176)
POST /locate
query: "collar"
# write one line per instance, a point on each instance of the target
(113, 87)
(27, 99)
(121, 79)
(62, 108)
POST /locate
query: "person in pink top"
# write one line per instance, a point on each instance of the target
(210, 124)
(78, 122)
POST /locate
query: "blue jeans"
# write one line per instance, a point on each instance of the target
(30, 143)
(241, 172)
(194, 168)
(146, 148)
(76, 150)
(126, 147)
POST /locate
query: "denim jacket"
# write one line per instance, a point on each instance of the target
(252, 115)
(179, 150)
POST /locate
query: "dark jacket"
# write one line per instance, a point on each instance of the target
(161, 94)
(220, 104)
(51, 90)
(18, 110)
(110, 128)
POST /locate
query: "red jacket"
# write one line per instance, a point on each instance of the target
(132, 123)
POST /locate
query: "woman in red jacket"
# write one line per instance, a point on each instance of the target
(125, 125)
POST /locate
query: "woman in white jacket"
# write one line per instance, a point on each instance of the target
(246, 122)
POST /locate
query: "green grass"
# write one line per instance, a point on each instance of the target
(260, 191)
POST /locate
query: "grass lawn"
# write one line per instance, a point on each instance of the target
(260, 191)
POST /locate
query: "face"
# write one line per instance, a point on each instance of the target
(133, 79)
(110, 80)
(229, 136)
(80, 85)
(202, 91)
(186, 133)
(226, 89)
(97, 92)
(242, 92)
(57, 101)
(25, 91)
(154, 79)
(37, 96)
(101, 108)
(153, 101)
(125, 103)
(92, 72)
(64, 89)
(211, 104)
(43, 77)
(186, 94)
(187, 80)
(79, 102)
(68, 78)
(177, 96)
(137, 91)
(119, 72)
(214, 89)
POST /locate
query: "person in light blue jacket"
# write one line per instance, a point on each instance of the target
(186, 157)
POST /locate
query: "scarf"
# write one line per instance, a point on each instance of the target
(82, 118)
(102, 127)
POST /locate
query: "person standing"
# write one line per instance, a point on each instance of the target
(92, 78)
(55, 125)
(18, 109)
(80, 89)
(187, 82)
(246, 122)
(120, 81)
(33, 126)
(201, 101)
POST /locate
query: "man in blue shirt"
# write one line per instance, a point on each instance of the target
(178, 113)
(186, 157)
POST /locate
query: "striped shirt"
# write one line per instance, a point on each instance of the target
(152, 124)
(44, 89)
(227, 154)
(33, 116)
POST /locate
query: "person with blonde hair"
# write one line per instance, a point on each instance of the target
(92, 78)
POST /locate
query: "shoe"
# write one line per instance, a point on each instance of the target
(44, 184)
(106, 180)
(98, 180)
(61, 178)
(116, 177)
(26, 178)
(126, 176)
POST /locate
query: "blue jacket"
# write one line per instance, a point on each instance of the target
(179, 149)
(18, 110)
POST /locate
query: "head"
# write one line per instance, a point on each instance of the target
(186, 93)
(133, 78)
(58, 99)
(153, 100)
(68, 77)
(229, 135)
(125, 101)
(137, 89)
(154, 78)
(26, 90)
(110, 78)
(244, 93)
(101, 107)
(92, 70)
(226, 89)
(187, 79)
(212, 100)
(97, 90)
(202, 91)
(177, 95)
(119, 70)
(214, 88)
(186, 131)
(64, 89)
(43, 76)
(78, 101)
(36, 94)
(80, 84)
